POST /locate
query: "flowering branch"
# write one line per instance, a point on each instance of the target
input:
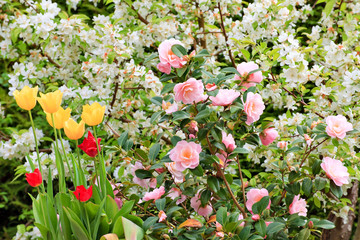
(312, 149)
(294, 96)
(241, 179)
(226, 37)
(242, 210)
(201, 23)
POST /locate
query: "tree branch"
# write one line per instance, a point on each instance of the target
(226, 37)
(293, 95)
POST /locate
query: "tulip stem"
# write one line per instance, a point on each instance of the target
(36, 144)
(66, 159)
(102, 170)
(59, 164)
(37, 148)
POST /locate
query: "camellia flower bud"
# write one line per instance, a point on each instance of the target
(255, 217)
(93, 114)
(83, 194)
(50, 102)
(26, 98)
(60, 117)
(310, 224)
(268, 136)
(74, 130)
(34, 179)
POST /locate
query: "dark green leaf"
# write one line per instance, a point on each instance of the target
(178, 50)
(160, 203)
(307, 186)
(154, 152)
(143, 174)
(336, 190)
(179, 115)
(261, 205)
(221, 215)
(325, 224)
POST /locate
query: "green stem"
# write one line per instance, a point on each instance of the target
(36, 145)
(102, 166)
(66, 159)
(37, 148)
(57, 157)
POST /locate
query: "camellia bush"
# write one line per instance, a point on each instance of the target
(180, 119)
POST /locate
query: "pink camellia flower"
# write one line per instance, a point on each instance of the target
(224, 97)
(191, 136)
(145, 183)
(190, 91)
(162, 216)
(298, 206)
(177, 175)
(282, 145)
(155, 194)
(337, 126)
(185, 155)
(268, 136)
(175, 193)
(228, 141)
(308, 139)
(210, 87)
(169, 108)
(195, 203)
(167, 58)
(244, 69)
(253, 107)
(335, 170)
(255, 195)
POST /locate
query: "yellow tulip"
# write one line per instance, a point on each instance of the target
(60, 117)
(26, 98)
(93, 114)
(50, 102)
(74, 130)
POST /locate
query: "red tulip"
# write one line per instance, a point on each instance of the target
(83, 194)
(34, 179)
(89, 145)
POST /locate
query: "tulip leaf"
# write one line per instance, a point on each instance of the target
(111, 208)
(131, 230)
(76, 224)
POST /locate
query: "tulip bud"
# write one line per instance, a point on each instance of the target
(50, 102)
(93, 114)
(74, 130)
(60, 117)
(34, 179)
(26, 98)
(83, 194)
